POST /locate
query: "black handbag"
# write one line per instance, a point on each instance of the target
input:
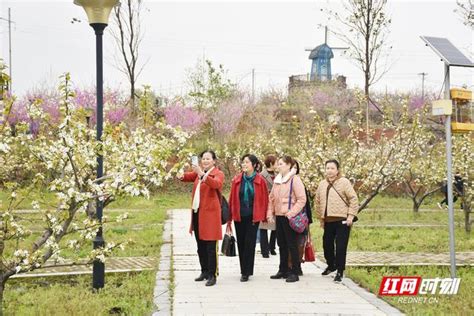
(225, 211)
(228, 244)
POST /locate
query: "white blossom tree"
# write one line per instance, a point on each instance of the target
(463, 159)
(426, 172)
(63, 162)
(371, 167)
(427, 169)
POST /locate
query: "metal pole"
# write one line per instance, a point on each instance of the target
(449, 182)
(10, 45)
(98, 270)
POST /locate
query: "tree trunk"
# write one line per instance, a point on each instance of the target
(367, 200)
(467, 219)
(91, 211)
(367, 61)
(416, 206)
(2, 288)
(132, 94)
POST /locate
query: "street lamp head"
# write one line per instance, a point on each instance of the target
(97, 11)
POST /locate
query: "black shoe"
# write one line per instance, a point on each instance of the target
(244, 278)
(279, 275)
(328, 271)
(300, 272)
(212, 280)
(338, 277)
(292, 278)
(273, 252)
(203, 276)
(266, 255)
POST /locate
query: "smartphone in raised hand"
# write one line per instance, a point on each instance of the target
(195, 160)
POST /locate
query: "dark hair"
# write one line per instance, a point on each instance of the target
(288, 160)
(270, 160)
(297, 165)
(213, 154)
(334, 161)
(257, 165)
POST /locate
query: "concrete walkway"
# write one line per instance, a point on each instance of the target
(313, 294)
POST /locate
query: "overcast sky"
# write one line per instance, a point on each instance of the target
(270, 36)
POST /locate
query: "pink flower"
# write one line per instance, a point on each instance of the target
(188, 118)
(416, 102)
(117, 115)
(228, 115)
(86, 98)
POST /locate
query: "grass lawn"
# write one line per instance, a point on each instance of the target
(387, 210)
(460, 304)
(129, 294)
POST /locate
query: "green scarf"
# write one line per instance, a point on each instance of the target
(248, 186)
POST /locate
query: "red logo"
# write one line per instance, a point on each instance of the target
(398, 286)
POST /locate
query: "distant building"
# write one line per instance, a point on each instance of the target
(321, 62)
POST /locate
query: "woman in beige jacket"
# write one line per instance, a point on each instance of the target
(280, 209)
(337, 205)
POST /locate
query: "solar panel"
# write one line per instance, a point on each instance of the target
(447, 51)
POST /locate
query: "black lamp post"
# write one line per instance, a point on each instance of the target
(98, 12)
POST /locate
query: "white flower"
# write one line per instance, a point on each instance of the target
(35, 205)
(101, 258)
(4, 147)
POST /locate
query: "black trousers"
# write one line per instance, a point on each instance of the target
(287, 243)
(207, 251)
(338, 233)
(445, 201)
(265, 247)
(246, 233)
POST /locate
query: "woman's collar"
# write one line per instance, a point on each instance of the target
(209, 170)
(339, 176)
(280, 179)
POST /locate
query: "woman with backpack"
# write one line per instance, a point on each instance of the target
(206, 213)
(248, 203)
(337, 206)
(287, 199)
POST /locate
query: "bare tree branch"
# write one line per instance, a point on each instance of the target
(465, 9)
(364, 29)
(128, 36)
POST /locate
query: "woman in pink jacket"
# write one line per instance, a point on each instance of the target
(280, 209)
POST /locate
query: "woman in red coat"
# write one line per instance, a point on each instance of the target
(206, 213)
(248, 203)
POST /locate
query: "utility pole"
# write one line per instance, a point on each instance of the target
(423, 74)
(9, 20)
(10, 43)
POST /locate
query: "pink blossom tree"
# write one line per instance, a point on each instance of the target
(188, 118)
(228, 114)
